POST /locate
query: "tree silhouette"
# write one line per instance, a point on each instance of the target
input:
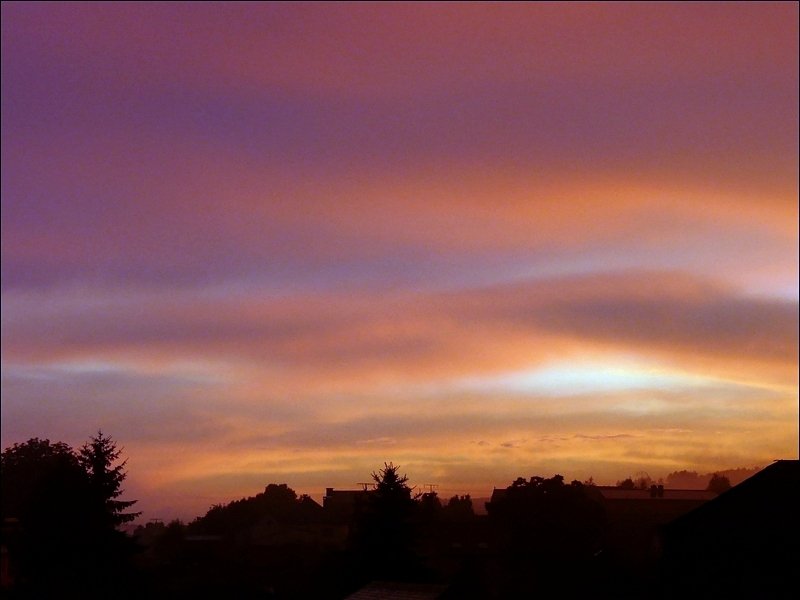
(278, 499)
(44, 488)
(382, 534)
(718, 484)
(626, 484)
(390, 484)
(642, 480)
(548, 519)
(391, 502)
(429, 508)
(459, 508)
(277, 502)
(98, 457)
(66, 543)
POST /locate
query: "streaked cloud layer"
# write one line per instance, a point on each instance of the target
(287, 242)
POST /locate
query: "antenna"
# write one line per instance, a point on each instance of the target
(430, 486)
(365, 484)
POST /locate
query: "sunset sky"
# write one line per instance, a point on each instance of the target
(265, 243)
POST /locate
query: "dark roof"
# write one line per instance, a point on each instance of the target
(771, 495)
(498, 493)
(744, 543)
(308, 503)
(344, 494)
(391, 590)
(617, 493)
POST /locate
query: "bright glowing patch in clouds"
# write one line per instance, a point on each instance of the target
(575, 377)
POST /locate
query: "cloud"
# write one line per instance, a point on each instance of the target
(615, 436)
(513, 443)
(354, 52)
(182, 181)
(409, 339)
(381, 440)
(671, 315)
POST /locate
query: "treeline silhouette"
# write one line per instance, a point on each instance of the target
(713, 482)
(62, 511)
(695, 480)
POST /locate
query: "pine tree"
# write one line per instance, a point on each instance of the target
(98, 457)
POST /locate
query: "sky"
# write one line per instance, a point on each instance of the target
(288, 242)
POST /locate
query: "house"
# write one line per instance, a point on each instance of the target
(338, 509)
(634, 516)
(343, 504)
